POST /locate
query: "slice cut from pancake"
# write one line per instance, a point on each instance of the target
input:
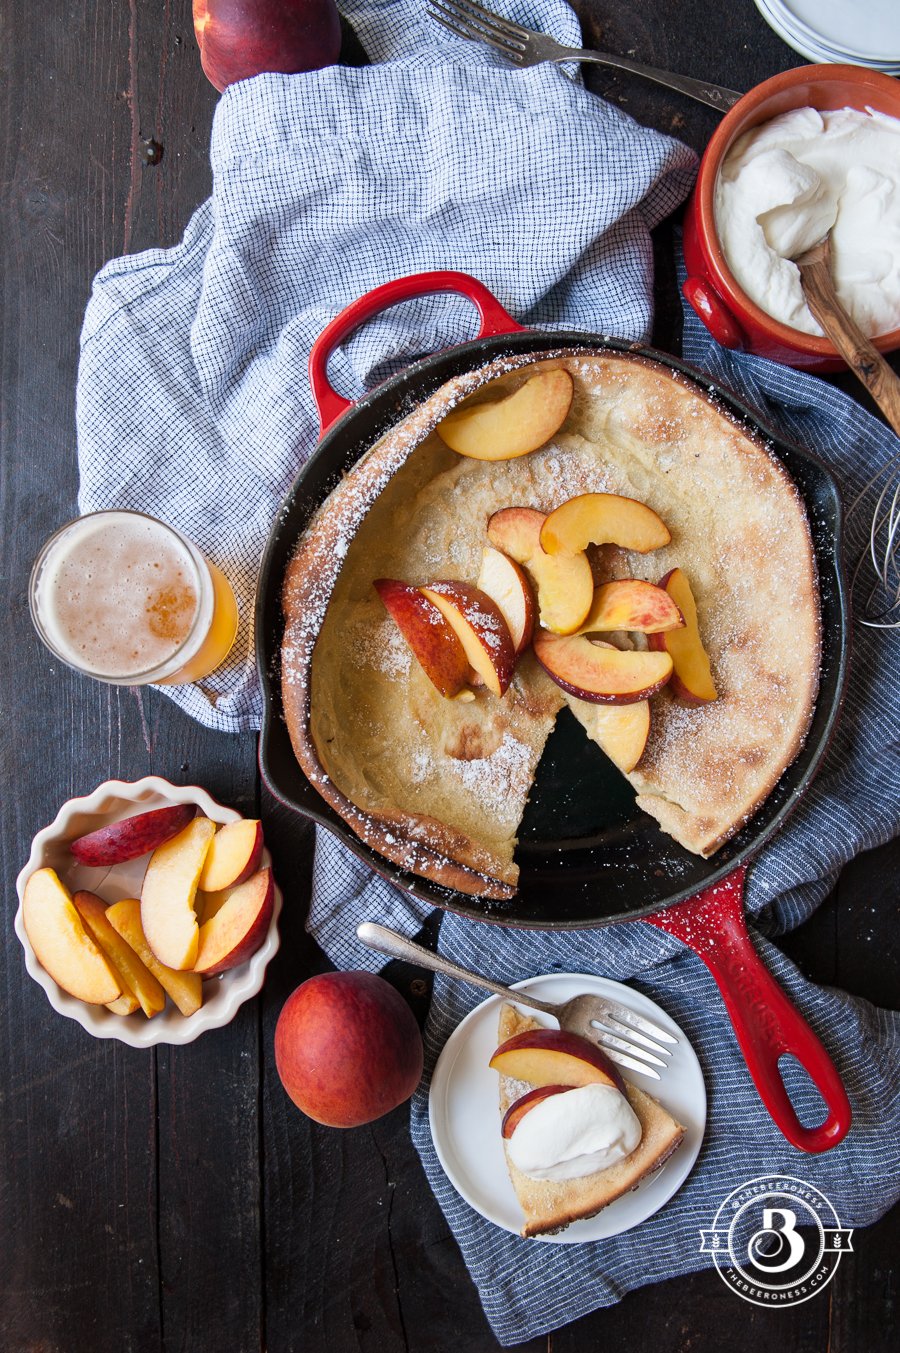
(550, 1206)
(439, 786)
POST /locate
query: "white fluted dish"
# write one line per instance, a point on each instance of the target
(115, 799)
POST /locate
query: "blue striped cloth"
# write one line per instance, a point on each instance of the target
(193, 404)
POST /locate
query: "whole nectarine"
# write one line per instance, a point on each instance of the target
(241, 38)
(347, 1048)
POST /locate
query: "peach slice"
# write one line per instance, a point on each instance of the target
(479, 625)
(238, 928)
(62, 944)
(435, 645)
(692, 679)
(134, 975)
(565, 586)
(126, 1004)
(503, 429)
(603, 519)
(167, 897)
(133, 836)
(505, 582)
(233, 856)
(516, 531)
(599, 673)
(207, 904)
(518, 1109)
(185, 988)
(555, 1057)
(621, 731)
(629, 604)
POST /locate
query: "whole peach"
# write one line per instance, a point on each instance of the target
(347, 1048)
(241, 38)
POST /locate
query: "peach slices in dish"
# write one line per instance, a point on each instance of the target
(206, 905)
(590, 530)
(576, 1135)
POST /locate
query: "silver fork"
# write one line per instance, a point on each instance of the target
(525, 47)
(592, 1017)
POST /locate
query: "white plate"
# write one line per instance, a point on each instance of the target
(816, 44)
(841, 24)
(112, 800)
(464, 1113)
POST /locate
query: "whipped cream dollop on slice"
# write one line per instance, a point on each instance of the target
(575, 1133)
(785, 184)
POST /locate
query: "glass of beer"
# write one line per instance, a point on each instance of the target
(124, 598)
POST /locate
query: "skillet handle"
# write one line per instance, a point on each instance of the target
(765, 1022)
(494, 320)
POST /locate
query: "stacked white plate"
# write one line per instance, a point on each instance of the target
(857, 32)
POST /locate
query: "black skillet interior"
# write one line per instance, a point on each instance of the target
(587, 855)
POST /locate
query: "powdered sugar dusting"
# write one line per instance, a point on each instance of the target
(380, 645)
(492, 779)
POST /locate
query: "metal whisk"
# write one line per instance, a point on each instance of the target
(881, 608)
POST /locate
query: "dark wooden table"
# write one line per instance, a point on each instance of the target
(176, 1199)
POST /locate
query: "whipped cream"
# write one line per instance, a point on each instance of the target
(575, 1133)
(784, 184)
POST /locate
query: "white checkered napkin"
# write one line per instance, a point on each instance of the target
(193, 399)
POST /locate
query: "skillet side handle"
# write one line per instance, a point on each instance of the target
(494, 320)
(766, 1023)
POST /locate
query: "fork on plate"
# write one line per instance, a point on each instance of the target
(595, 1017)
(525, 47)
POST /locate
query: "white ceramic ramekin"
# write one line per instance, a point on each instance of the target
(112, 800)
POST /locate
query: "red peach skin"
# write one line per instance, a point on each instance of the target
(555, 1057)
(525, 1103)
(478, 623)
(631, 604)
(238, 927)
(133, 836)
(434, 643)
(599, 673)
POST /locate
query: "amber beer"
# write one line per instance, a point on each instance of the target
(124, 598)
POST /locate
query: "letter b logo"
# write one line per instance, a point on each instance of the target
(775, 1249)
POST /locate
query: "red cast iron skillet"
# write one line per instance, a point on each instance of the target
(588, 857)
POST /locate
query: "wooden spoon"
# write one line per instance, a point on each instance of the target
(863, 359)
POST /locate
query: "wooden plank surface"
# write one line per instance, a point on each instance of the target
(177, 1200)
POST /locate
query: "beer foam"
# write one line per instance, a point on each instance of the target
(118, 595)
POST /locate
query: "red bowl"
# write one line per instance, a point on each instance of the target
(733, 319)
